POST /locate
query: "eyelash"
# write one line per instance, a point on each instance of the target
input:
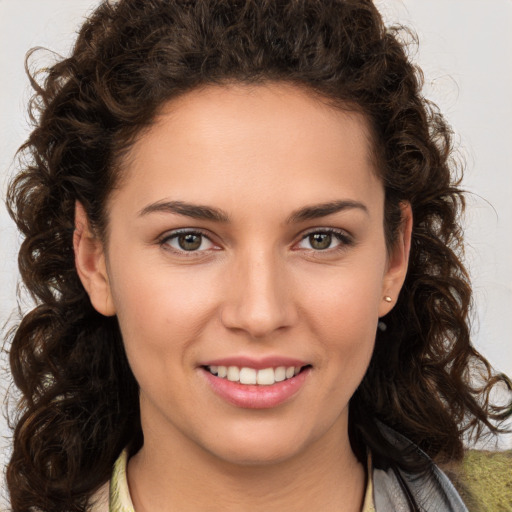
(342, 236)
(164, 241)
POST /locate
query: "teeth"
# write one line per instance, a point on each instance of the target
(265, 377)
(245, 375)
(233, 374)
(248, 376)
(280, 373)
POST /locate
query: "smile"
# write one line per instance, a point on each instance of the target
(256, 384)
(251, 376)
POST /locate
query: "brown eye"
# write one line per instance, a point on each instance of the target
(320, 241)
(326, 239)
(190, 241)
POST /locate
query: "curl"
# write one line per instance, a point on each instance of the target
(79, 405)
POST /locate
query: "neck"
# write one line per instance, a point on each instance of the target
(178, 477)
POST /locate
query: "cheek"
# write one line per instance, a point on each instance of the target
(160, 309)
(145, 293)
(342, 310)
(346, 297)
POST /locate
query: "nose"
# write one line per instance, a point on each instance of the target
(259, 298)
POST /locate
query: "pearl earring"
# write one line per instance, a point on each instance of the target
(387, 298)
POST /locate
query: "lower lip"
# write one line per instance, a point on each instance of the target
(251, 396)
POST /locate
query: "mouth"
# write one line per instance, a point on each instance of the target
(252, 384)
(252, 376)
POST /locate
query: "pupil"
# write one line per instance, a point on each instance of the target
(189, 242)
(320, 240)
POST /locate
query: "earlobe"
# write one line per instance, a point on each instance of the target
(398, 262)
(90, 263)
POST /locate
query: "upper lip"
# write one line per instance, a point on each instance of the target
(256, 363)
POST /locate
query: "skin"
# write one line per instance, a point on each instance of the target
(256, 287)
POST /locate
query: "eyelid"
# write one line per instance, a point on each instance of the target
(342, 235)
(325, 229)
(174, 233)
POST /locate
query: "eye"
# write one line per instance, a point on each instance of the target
(187, 241)
(323, 240)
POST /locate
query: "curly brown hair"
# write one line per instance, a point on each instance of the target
(79, 405)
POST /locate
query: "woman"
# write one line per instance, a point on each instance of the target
(243, 233)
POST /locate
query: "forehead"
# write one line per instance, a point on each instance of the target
(251, 140)
(266, 108)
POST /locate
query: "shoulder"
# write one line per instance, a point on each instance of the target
(425, 487)
(484, 480)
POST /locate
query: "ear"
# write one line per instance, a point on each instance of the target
(398, 262)
(91, 264)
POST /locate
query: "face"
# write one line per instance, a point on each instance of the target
(247, 266)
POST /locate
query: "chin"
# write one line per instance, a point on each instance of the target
(260, 446)
(260, 455)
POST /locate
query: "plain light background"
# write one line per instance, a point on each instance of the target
(464, 51)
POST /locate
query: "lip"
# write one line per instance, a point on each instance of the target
(253, 396)
(256, 363)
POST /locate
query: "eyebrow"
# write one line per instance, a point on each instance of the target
(186, 209)
(322, 210)
(216, 214)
